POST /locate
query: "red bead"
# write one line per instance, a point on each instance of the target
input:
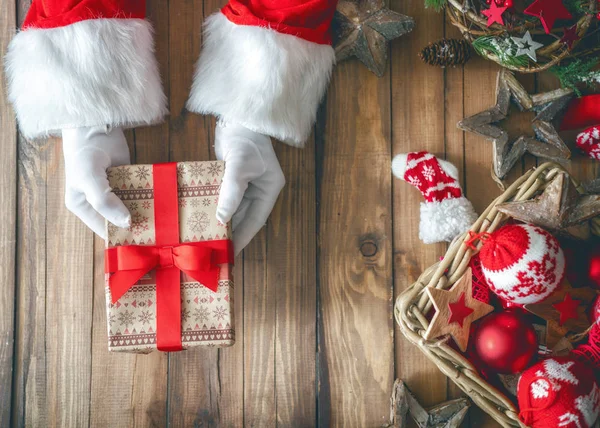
(509, 3)
(505, 342)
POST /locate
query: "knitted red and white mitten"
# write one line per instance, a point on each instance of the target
(446, 213)
(589, 142)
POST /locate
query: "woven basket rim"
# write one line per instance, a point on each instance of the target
(413, 303)
(472, 25)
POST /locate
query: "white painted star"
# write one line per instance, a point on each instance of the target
(526, 46)
(560, 373)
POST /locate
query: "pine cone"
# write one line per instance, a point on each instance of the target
(446, 52)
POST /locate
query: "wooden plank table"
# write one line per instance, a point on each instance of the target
(316, 339)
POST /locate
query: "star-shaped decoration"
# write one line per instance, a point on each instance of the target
(526, 46)
(570, 36)
(457, 325)
(546, 143)
(459, 311)
(567, 309)
(560, 208)
(548, 11)
(363, 28)
(494, 14)
(548, 310)
(449, 414)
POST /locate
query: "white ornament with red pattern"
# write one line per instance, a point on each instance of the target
(522, 263)
(446, 213)
(588, 142)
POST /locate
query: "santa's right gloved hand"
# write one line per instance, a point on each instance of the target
(252, 182)
(88, 152)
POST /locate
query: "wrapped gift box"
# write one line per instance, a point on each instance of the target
(141, 314)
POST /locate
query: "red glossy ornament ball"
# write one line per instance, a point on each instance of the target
(505, 341)
(509, 3)
(594, 267)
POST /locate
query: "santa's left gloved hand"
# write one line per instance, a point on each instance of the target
(252, 182)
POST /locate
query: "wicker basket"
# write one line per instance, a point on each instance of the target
(413, 304)
(473, 25)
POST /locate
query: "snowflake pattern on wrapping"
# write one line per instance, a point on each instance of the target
(207, 316)
(198, 222)
(121, 173)
(201, 314)
(220, 312)
(215, 169)
(145, 317)
(142, 172)
(139, 224)
(196, 170)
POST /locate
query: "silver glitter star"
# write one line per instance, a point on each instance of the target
(526, 46)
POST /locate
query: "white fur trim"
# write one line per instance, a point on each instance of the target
(269, 82)
(94, 72)
(444, 220)
(400, 165)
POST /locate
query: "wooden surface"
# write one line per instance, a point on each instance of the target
(316, 341)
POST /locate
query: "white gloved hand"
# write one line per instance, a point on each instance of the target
(88, 153)
(252, 181)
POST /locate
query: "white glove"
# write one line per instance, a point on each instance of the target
(88, 153)
(252, 181)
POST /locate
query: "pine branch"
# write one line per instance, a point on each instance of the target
(577, 7)
(436, 4)
(503, 48)
(578, 72)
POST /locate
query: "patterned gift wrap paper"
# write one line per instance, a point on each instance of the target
(206, 316)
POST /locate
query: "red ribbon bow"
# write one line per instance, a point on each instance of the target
(200, 260)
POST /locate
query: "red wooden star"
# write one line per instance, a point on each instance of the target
(567, 308)
(570, 36)
(548, 11)
(459, 310)
(494, 13)
(455, 310)
(556, 310)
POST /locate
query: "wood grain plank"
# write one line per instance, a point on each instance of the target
(8, 213)
(69, 290)
(356, 364)
(292, 274)
(259, 335)
(417, 124)
(131, 390)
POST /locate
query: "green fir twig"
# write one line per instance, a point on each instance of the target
(436, 4)
(577, 7)
(503, 48)
(577, 73)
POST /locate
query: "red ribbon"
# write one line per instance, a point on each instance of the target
(582, 113)
(169, 257)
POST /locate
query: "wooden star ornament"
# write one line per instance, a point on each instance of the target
(363, 28)
(560, 208)
(565, 311)
(545, 144)
(456, 309)
(449, 414)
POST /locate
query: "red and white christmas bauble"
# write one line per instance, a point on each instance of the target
(522, 263)
(588, 142)
(559, 392)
